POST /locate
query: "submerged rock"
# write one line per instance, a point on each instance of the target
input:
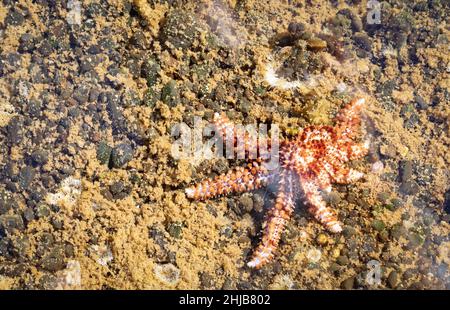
(180, 29)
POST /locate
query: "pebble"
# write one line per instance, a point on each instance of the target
(39, 157)
(118, 190)
(45, 48)
(11, 223)
(150, 71)
(139, 40)
(333, 198)
(180, 29)
(226, 231)
(246, 202)
(121, 155)
(206, 279)
(14, 17)
(415, 240)
(348, 283)
(383, 197)
(322, 239)
(228, 285)
(349, 231)
(81, 94)
(104, 152)
(258, 202)
(343, 260)
(378, 225)
(151, 97)
(363, 41)
(42, 211)
(409, 188)
(421, 104)
(26, 176)
(406, 170)
(175, 229)
(316, 44)
(313, 255)
(26, 43)
(54, 260)
(393, 279)
(296, 28)
(169, 94)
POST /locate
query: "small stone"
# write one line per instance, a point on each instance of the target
(383, 236)
(227, 285)
(26, 43)
(42, 211)
(393, 279)
(335, 252)
(70, 277)
(139, 40)
(54, 260)
(181, 29)
(313, 255)
(349, 231)
(406, 170)
(383, 197)
(343, 260)
(415, 240)
(39, 157)
(11, 223)
(118, 190)
(246, 203)
(363, 41)
(121, 154)
(151, 97)
(226, 231)
(245, 106)
(45, 48)
(81, 94)
(421, 104)
(103, 152)
(28, 214)
(378, 225)
(333, 198)
(175, 229)
(409, 188)
(26, 176)
(258, 203)
(206, 279)
(150, 71)
(244, 239)
(396, 203)
(169, 94)
(316, 44)
(296, 29)
(348, 283)
(322, 239)
(14, 17)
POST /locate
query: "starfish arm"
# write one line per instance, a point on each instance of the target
(317, 206)
(245, 142)
(359, 150)
(321, 176)
(276, 221)
(348, 119)
(239, 180)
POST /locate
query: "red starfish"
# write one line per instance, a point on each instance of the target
(309, 164)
